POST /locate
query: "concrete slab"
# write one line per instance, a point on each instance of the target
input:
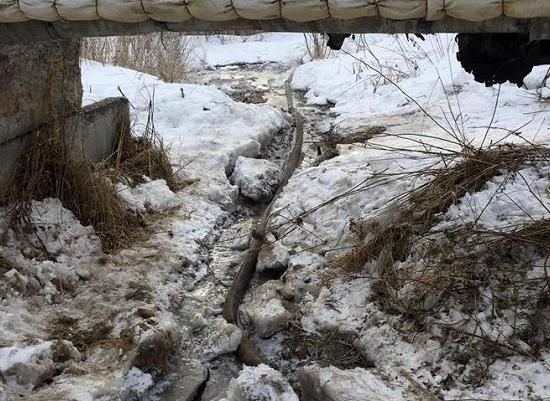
(92, 132)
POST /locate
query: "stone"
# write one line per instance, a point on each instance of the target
(266, 310)
(145, 313)
(273, 258)
(260, 383)
(152, 352)
(257, 179)
(218, 382)
(65, 351)
(156, 346)
(185, 381)
(333, 384)
(224, 338)
(28, 375)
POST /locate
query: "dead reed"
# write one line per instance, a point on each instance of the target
(50, 168)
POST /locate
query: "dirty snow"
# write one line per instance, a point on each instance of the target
(165, 284)
(260, 383)
(19, 353)
(333, 384)
(506, 201)
(257, 179)
(153, 195)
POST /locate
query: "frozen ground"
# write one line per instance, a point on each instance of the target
(113, 307)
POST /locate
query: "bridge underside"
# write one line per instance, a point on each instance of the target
(39, 64)
(33, 31)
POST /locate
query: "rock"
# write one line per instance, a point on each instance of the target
(266, 311)
(218, 382)
(65, 351)
(185, 381)
(152, 352)
(223, 339)
(156, 345)
(241, 242)
(257, 179)
(260, 383)
(197, 321)
(333, 384)
(26, 376)
(273, 258)
(145, 313)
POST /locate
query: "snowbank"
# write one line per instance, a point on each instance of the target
(426, 75)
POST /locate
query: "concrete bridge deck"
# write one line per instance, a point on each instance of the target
(32, 20)
(32, 31)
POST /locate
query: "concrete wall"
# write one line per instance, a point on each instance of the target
(93, 133)
(39, 82)
(95, 129)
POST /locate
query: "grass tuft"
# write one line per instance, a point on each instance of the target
(143, 156)
(50, 168)
(416, 210)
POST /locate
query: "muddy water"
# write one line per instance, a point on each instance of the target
(263, 83)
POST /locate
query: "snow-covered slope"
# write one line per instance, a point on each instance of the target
(162, 291)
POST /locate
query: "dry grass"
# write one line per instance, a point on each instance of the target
(415, 211)
(316, 45)
(326, 348)
(487, 276)
(421, 273)
(144, 155)
(165, 55)
(49, 168)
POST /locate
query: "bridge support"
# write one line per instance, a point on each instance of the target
(39, 83)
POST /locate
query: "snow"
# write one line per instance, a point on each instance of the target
(506, 202)
(205, 129)
(19, 353)
(330, 198)
(533, 380)
(332, 384)
(267, 312)
(260, 48)
(316, 224)
(273, 257)
(206, 132)
(257, 179)
(428, 73)
(353, 296)
(260, 383)
(212, 137)
(138, 381)
(153, 195)
(224, 339)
